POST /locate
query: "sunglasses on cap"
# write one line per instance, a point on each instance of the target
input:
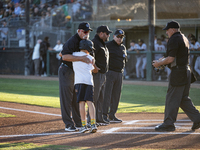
(120, 36)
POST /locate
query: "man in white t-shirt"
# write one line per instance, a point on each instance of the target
(84, 86)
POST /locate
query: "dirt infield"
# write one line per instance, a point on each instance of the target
(43, 125)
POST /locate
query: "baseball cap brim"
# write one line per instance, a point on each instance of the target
(88, 29)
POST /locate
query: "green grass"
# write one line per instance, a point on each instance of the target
(134, 98)
(3, 115)
(28, 146)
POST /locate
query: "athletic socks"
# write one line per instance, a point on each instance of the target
(93, 121)
(83, 123)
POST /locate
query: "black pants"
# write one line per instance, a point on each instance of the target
(112, 93)
(68, 104)
(99, 88)
(178, 96)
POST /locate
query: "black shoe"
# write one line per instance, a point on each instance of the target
(115, 120)
(165, 127)
(103, 123)
(195, 126)
(71, 129)
(105, 118)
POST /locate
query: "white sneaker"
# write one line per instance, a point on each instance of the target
(83, 129)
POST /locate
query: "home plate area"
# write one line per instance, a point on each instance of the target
(148, 127)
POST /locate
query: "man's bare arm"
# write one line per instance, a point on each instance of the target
(69, 57)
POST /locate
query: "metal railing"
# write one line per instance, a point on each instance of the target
(149, 54)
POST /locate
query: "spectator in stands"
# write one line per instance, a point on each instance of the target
(86, 10)
(66, 23)
(36, 12)
(22, 12)
(10, 8)
(4, 33)
(36, 57)
(1, 13)
(76, 9)
(17, 9)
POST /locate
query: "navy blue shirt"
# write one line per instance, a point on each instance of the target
(117, 56)
(72, 45)
(101, 54)
(178, 47)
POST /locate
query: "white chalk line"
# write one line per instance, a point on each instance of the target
(35, 112)
(109, 131)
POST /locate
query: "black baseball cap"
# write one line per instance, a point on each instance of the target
(119, 32)
(85, 26)
(172, 24)
(87, 45)
(103, 29)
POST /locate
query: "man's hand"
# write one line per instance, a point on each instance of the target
(85, 59)
(96, 69)
(156, 63)
(60, 54)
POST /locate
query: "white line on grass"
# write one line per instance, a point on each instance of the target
(36, 112)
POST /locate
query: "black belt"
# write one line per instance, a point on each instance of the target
(180, 67)
(64, 64)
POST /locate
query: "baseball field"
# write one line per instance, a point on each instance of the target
(30, 118)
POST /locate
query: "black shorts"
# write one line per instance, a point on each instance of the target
(84, 92)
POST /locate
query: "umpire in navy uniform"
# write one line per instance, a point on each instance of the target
(114, 76)
(99, 74)
(66, 78)
(177, 59)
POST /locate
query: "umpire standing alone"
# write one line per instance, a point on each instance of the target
(114, 76)
(177, 59)
(66, 78)
(99, 76)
